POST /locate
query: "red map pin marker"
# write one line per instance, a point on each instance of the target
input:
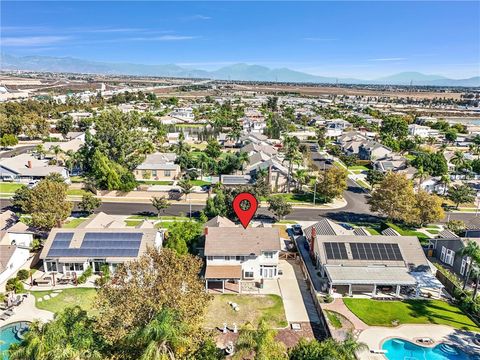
(245, 215)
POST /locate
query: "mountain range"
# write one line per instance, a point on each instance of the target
(243, 72)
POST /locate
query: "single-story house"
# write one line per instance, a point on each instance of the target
(12, 258)
(158, 166)
(26, 167)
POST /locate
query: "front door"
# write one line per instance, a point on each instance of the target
(97, 265)
(269, 272)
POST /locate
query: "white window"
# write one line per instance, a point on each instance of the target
(239, 258)
(210, 258)
(218, 257)
(227, 258)
(464, 265)
(449, 257)
(167, 172)
(154, 172)
(442, 255)
(268, 254)
(248, 274)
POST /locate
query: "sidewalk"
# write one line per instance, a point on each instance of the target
(338, 306)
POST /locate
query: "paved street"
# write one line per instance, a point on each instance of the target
(17, 151)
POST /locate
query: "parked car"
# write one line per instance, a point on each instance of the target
(297, 229)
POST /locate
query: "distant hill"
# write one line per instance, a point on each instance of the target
(244, 72)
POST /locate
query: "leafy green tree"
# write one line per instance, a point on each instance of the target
(89, 203)
(64, 125)
(374, 177)
(451, 135)
(262, 184)
(8, 140)
(160, 204)
(21, 199)
(213, 149)
(394, 126)
(70, 335)
(109, 175)
(260, 343)
(279, 206)
(331, 183)
(461, 194)
(272, 103)
(394, 197)
(183, 235)
(321, 139)
(456, 226)
(428, 208)
(48, 205)
(140, 289)
(433, 163)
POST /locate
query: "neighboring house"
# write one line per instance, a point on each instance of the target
(371, 264)
(74, 250)
(70, 145)
(335, 128)
(236, 180)
(158, 166)
(220, 221)
(12, 258)
(235, 255)
(255, 138)
(390, 163)
(277, 173)
(184, 114)
(419, 130)
(253, 148)
(26, 167)
(448, 252)
(372, 150)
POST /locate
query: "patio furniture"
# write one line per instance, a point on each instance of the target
(43, 281)
(5, 316)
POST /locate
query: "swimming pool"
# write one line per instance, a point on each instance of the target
(11, 334)
(398, 349)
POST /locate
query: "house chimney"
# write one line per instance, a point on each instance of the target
(312, 242)
(29, 164)
(205, 232)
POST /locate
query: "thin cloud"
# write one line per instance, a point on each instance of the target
(196, 17)
(163, 38)
(389, 59)
(33, 40)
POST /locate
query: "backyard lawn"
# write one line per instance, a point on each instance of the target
(383, 313)
(83, 297)
(9, 188)
(253, 309)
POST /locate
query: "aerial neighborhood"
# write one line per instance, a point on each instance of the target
(246, 212)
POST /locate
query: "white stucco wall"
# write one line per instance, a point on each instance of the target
(18, 259)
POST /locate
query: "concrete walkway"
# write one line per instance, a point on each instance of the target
(339, 306)
(300, 241)
(298, 302)
(27, 311)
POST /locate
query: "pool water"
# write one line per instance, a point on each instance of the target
(398, 349)
(10, 334)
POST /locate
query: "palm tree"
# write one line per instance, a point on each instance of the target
(203, 162)
(40, 151)
(260, 342)
(349, 347)
(445, 181)
(421, 175)
(57, 150)
(458, 160)
(186, 187)
(469, 251)
(302, 177)
(243, 159)
(475, 150)
(165, 337)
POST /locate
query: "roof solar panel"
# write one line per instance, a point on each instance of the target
(335, 251)
(376, 251)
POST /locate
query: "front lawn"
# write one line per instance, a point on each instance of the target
(199, 182)
(73, 223)
(383, 313)
(155, 182)
(76, 192)
(9, 188)
(252, 308)
(409, 232)
(84, 297)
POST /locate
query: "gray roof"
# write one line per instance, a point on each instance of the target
(379, 275)
(230, 241)
(447, 234)
(159, 161)
(410, 248)
(84, 244)
(390, 232)
(361, 231)
(326, 227)
(220, 221)
(236, 179)
(19, 165)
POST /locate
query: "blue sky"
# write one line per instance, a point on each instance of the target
(345, 39)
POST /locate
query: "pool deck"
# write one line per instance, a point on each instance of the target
(27, 311)
(374, 337)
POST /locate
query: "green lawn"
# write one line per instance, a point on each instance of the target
(333, 318)
(76, 192)
(409, 232)
(77, 179)
(306, 198)
(383, 313)
(252, 308)
(133, 222)
(362, 184)
(73, 223)
(373, 231)
(154, 217)
(358, 167)
(155, 182)
(84, 297)
(9, 188)
(199, 182)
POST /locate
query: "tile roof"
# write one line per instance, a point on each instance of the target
(6, 252)
(326, 227)
(228, 241)
(220, 221)
(223, 272)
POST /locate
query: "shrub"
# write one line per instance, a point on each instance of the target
(23, 274)
(15, 285)
(328, 298)
(82, 279)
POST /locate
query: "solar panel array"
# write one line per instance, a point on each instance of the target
(335, 251)
(376, 251)
(97, 245)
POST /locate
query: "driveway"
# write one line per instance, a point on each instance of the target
(298, 302)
